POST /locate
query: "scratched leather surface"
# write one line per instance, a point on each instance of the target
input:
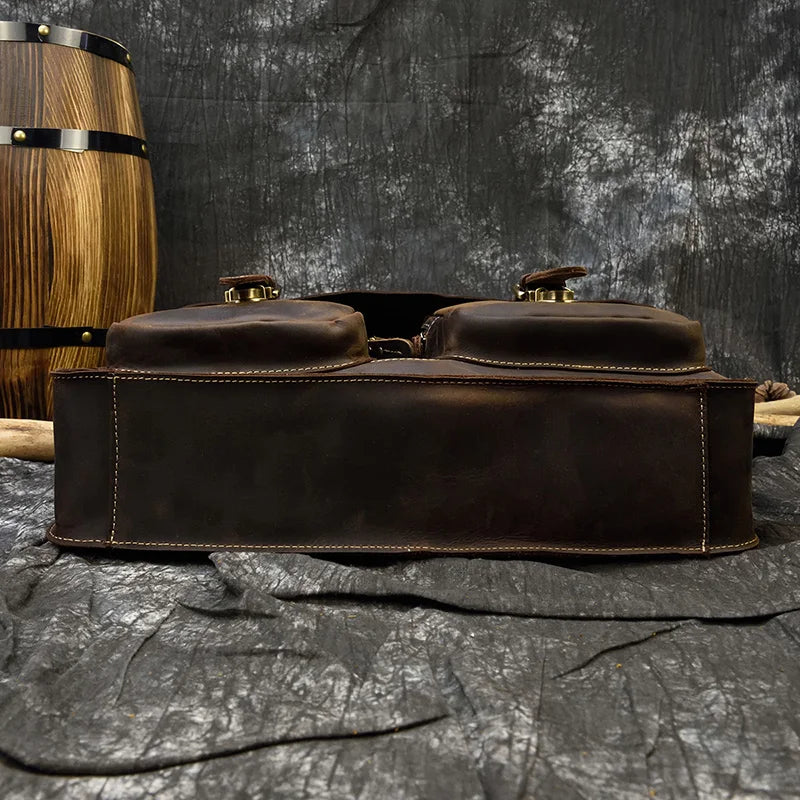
(247, 675)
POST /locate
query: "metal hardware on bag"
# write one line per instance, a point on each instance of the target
(548, 285)
(251, 294)
(383, 347)
(424, 331)
(544, 295)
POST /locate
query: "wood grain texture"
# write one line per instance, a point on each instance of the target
(47, 86)
(452, 145)
(77, 230)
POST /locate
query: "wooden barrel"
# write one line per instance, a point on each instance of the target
(77, 217)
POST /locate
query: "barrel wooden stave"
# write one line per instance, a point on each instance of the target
(61, 87)
(77, 229)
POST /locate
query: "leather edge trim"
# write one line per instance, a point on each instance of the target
(477, 380)
(320, 368)
(596, 367)
(56, 538)
(703, 469)
(115, 430)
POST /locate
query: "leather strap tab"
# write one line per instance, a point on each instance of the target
(246, 288)
(555, 278)
(248, 280)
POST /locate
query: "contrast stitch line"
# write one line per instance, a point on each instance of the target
(254, 371)
(477, 360)
(84, 376)
(754, 540)
(422, 380)
(116, 461)
(311, 548)
(704, 540)
(51, 533)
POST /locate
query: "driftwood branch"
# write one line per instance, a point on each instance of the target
(775, 419)
(30, 439)
(790, 405)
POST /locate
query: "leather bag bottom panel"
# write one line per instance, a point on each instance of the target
(401, 464)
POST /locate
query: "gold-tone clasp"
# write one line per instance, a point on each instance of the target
(548, 285)
(544, 295)
(251, 294)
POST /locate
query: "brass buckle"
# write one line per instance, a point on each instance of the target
(251, 294)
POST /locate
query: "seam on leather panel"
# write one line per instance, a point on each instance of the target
(703, 469)
(424, 380)
(753, 540)
(116, 461)
(712, 384)
(253, 371)
(453, 380)
(311, 548)
(696, 368)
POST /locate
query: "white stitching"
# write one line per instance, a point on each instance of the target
(704, 540)
(599, 367)
(456, 380)
(84, 376)
(312, 548)
(52, 535)
(421, 379)
(754, 540)
(252, 371)
(116, 461)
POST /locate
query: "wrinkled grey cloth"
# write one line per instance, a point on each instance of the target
(291, 676)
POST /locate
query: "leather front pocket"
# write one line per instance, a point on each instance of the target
(607, 336)
(238, 338)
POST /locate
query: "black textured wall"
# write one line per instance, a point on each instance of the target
(453, 144)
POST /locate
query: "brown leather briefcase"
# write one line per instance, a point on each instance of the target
(457, 426)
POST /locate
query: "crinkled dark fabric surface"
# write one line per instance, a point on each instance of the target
(290, 676)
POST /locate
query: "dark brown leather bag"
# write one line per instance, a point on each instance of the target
(461, 426)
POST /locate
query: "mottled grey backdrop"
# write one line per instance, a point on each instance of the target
(453, 144)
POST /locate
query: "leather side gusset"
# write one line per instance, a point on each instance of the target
(730, 442)
(84, 444)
